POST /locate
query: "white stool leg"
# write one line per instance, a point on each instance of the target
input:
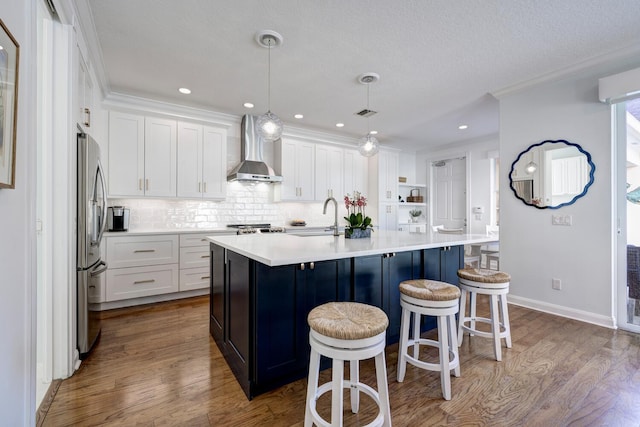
(472, 311)
(453, 339)
(416, 335)
(312, 385)
(383, 389)
(354, 377)
(445, 372)
(505, 319)
(495, 327)
(402, 346)
(461, 315)
(337, 392)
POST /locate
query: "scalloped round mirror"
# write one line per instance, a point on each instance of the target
(551, 174)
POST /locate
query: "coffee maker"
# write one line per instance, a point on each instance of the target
(117, 218)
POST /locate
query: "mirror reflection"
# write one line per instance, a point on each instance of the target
(551, 174)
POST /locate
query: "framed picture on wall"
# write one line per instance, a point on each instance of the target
(9, 59)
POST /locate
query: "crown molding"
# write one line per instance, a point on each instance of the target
(625, 53)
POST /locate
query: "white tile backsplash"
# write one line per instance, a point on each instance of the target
(245, 203)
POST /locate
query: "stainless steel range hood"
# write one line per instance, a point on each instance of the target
(252, 167)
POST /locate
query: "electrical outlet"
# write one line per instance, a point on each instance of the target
(556, 284)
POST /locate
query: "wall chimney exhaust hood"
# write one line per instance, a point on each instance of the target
(252, 168)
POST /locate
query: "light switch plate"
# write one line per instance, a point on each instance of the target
(562, 220)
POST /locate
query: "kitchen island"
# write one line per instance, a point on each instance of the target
(264, 285)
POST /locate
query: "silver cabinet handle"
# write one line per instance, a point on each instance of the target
(199, 187)
(204, 277)
(203, 240)
(146, 184)
(204, 256)
(87, 113)
(140, 184)
(138, 282)
(143, 250)
(312, 265)
(302, 266)
(205, 186)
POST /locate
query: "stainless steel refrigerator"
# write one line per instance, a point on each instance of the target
(91, 221)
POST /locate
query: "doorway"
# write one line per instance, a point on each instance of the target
(629, 236)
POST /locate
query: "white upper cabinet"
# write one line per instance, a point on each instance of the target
(126, 154)
(84, 93)
(202, 159)
(142, 156)
(329, 172)
(160, 150)
(189, 160)
(294, 160)
(383, 189)
(355, 173)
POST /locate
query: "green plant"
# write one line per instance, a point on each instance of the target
(415, 213)
(356, 211)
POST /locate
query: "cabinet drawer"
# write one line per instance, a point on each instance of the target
(125, 283)
(199, 239)
(194, 257)
(193, 239)
(138, 251)
(194, 278)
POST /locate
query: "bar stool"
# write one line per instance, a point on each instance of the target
(347, 331)
(476, 281)
(430, 298)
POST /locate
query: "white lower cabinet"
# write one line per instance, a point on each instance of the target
(135, 282)
(141, 266)
(194, 261)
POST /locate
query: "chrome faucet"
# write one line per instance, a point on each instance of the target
(335, 222)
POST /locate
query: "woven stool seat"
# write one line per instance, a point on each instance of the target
(430, 290)
(348, 320)
(481, 275)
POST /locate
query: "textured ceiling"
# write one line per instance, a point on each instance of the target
(438, 60)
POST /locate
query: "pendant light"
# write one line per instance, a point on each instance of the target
(368, 145)
(531, 166)
(269, 125)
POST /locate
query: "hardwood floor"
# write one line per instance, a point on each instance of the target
(158, 366)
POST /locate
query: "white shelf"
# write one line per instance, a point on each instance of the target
(412, 223)
(411, 204)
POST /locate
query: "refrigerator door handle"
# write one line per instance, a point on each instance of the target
(103, 226)
(97, 270)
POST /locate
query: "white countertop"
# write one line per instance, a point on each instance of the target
(275, 249)
(142, 232)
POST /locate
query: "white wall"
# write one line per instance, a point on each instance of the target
(17, 241)
(531, 249)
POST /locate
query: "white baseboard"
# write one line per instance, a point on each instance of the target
(152, 299)
(558, 310)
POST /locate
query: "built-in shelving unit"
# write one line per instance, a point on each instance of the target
(405, 220)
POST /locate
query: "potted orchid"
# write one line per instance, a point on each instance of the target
(359, 224)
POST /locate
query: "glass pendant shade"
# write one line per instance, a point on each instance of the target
(368, 146)
(269, 126)
(530, 167)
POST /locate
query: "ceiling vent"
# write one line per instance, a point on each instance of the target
(366, 113)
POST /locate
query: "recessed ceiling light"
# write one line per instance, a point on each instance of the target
(463, 127)
(248, 105)
(298, 116)
(339, 125)
(1, 48)
(184, 90)
(374, 132)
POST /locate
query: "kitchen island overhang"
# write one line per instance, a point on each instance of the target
(274, 249)
(264, 285)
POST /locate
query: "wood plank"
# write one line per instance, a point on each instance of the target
(157, 366)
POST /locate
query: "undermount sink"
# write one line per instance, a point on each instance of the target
(314, 233)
